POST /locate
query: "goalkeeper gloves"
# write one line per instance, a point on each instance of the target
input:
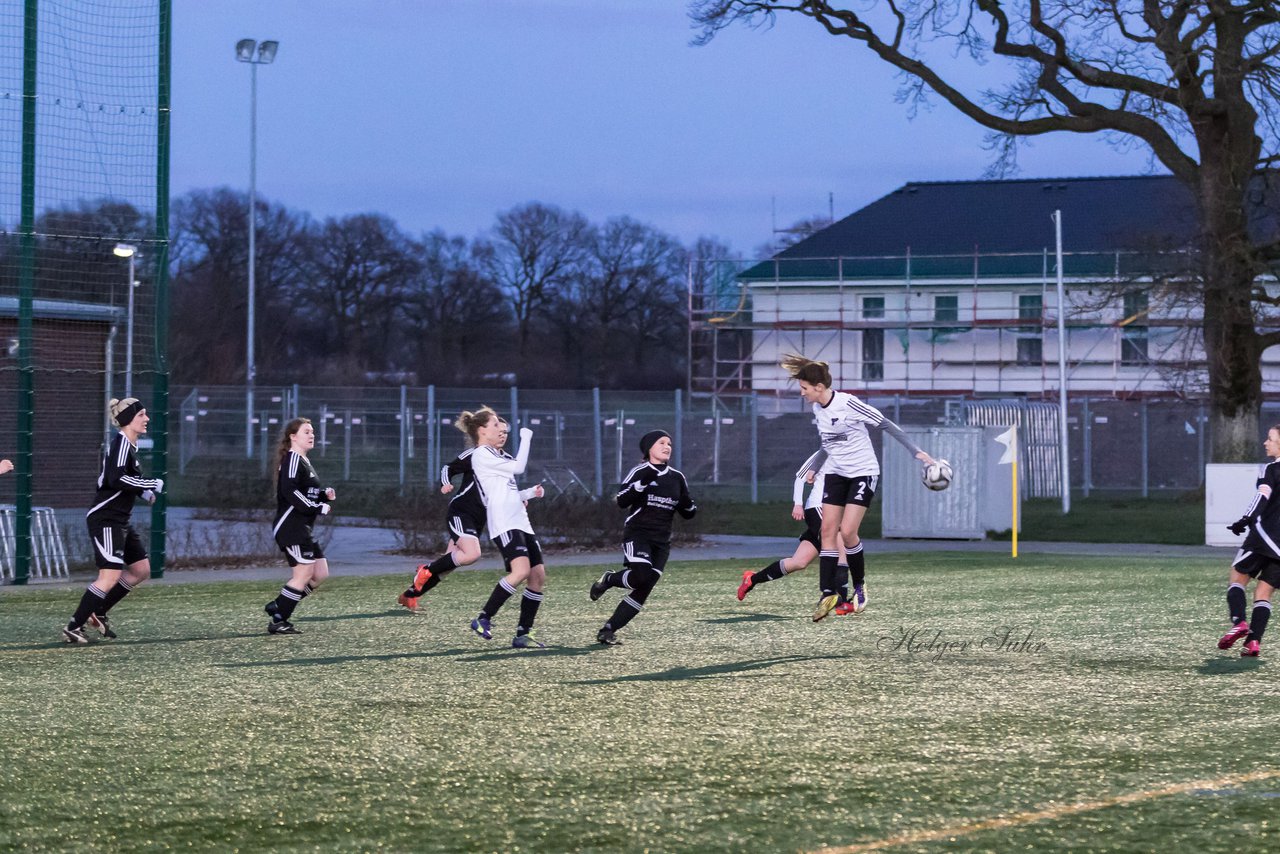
(1239, 526)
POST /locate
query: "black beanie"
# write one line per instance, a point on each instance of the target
(648, 440)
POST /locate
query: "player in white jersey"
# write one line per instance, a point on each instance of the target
(851, 474)
(508, 523)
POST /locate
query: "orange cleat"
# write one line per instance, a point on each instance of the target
(421, 577)
(745, 587)
(408, 601)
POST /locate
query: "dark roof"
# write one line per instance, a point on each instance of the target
(1099, 215)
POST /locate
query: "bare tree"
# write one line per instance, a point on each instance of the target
(209, 281)
(535, 251)
(1194, 81)
(452, 313)
(359, 267)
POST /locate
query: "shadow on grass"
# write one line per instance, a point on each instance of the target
(549, 652)
(126, 643)
(710, 671)
(372, 615)
(342, 659)
(1227, 666)
(746, 618)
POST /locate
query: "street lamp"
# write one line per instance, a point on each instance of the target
(128, 250)
(254, 53)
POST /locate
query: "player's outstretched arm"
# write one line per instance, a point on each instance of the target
(896, 432)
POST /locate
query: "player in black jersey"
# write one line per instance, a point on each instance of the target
(299, 500)
(122, 561)
(1258, 557)
(810, 512)
(466, 520)
(652, 493)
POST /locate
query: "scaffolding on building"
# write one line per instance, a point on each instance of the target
(743, 314)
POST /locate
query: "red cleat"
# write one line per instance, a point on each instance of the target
(421, 577)
(1252, 649)
(408, 601)
(745, 587)
(1238, 631)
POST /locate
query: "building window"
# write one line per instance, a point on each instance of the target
(1030, 338)
(946, 307)
(1133, 336)
(873, 340)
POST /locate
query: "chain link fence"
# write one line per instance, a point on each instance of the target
(744, 448)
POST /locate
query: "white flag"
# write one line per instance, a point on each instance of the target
(1009, 439)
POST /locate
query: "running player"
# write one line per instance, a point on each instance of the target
(808, 511)
(299, 500)
(1258, 557)
(653, 492)
(123, 563)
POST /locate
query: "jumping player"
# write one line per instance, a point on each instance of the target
(508, 523)
(851, 470)
(1258, 557)
(123, 563)
(466, 519)
(299, 500)
(652, 493)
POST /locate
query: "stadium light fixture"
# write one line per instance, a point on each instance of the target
(266, 54)
(128, 250)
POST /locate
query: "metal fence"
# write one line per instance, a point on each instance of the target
(585, 440)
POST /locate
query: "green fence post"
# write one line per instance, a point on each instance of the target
(160, 389)
(26, 294)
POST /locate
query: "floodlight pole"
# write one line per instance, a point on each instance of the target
(254, 53)
(128, 346)
(1062, 369)
(251, 370)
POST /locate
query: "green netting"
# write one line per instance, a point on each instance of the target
(90, 140)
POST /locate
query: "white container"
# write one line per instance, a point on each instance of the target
(1228, 489)
(980, 497)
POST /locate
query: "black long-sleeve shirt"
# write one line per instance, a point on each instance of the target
(466, 498)
(298, 499)
(1264, 512)
(653, 495)
(120, 483)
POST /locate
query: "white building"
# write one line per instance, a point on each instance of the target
(950, 288)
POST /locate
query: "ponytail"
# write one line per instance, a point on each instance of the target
(800, 368)
(471, 422)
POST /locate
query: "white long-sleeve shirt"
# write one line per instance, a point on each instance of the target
(496, 479)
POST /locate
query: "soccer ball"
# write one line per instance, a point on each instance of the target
(937, 475)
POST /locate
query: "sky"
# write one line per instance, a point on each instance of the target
(443, 113)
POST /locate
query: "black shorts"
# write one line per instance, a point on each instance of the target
(302, 554)
(813, 527)
(464, 524)
(116, 546)
(517, 543)
(1259, 565)
(640, 552)
(840, 490)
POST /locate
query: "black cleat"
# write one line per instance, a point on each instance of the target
(100, 624)
(283, 627)
(74, 634)
(599, 587)
(608, 638)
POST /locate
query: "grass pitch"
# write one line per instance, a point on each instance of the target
(980, 703)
